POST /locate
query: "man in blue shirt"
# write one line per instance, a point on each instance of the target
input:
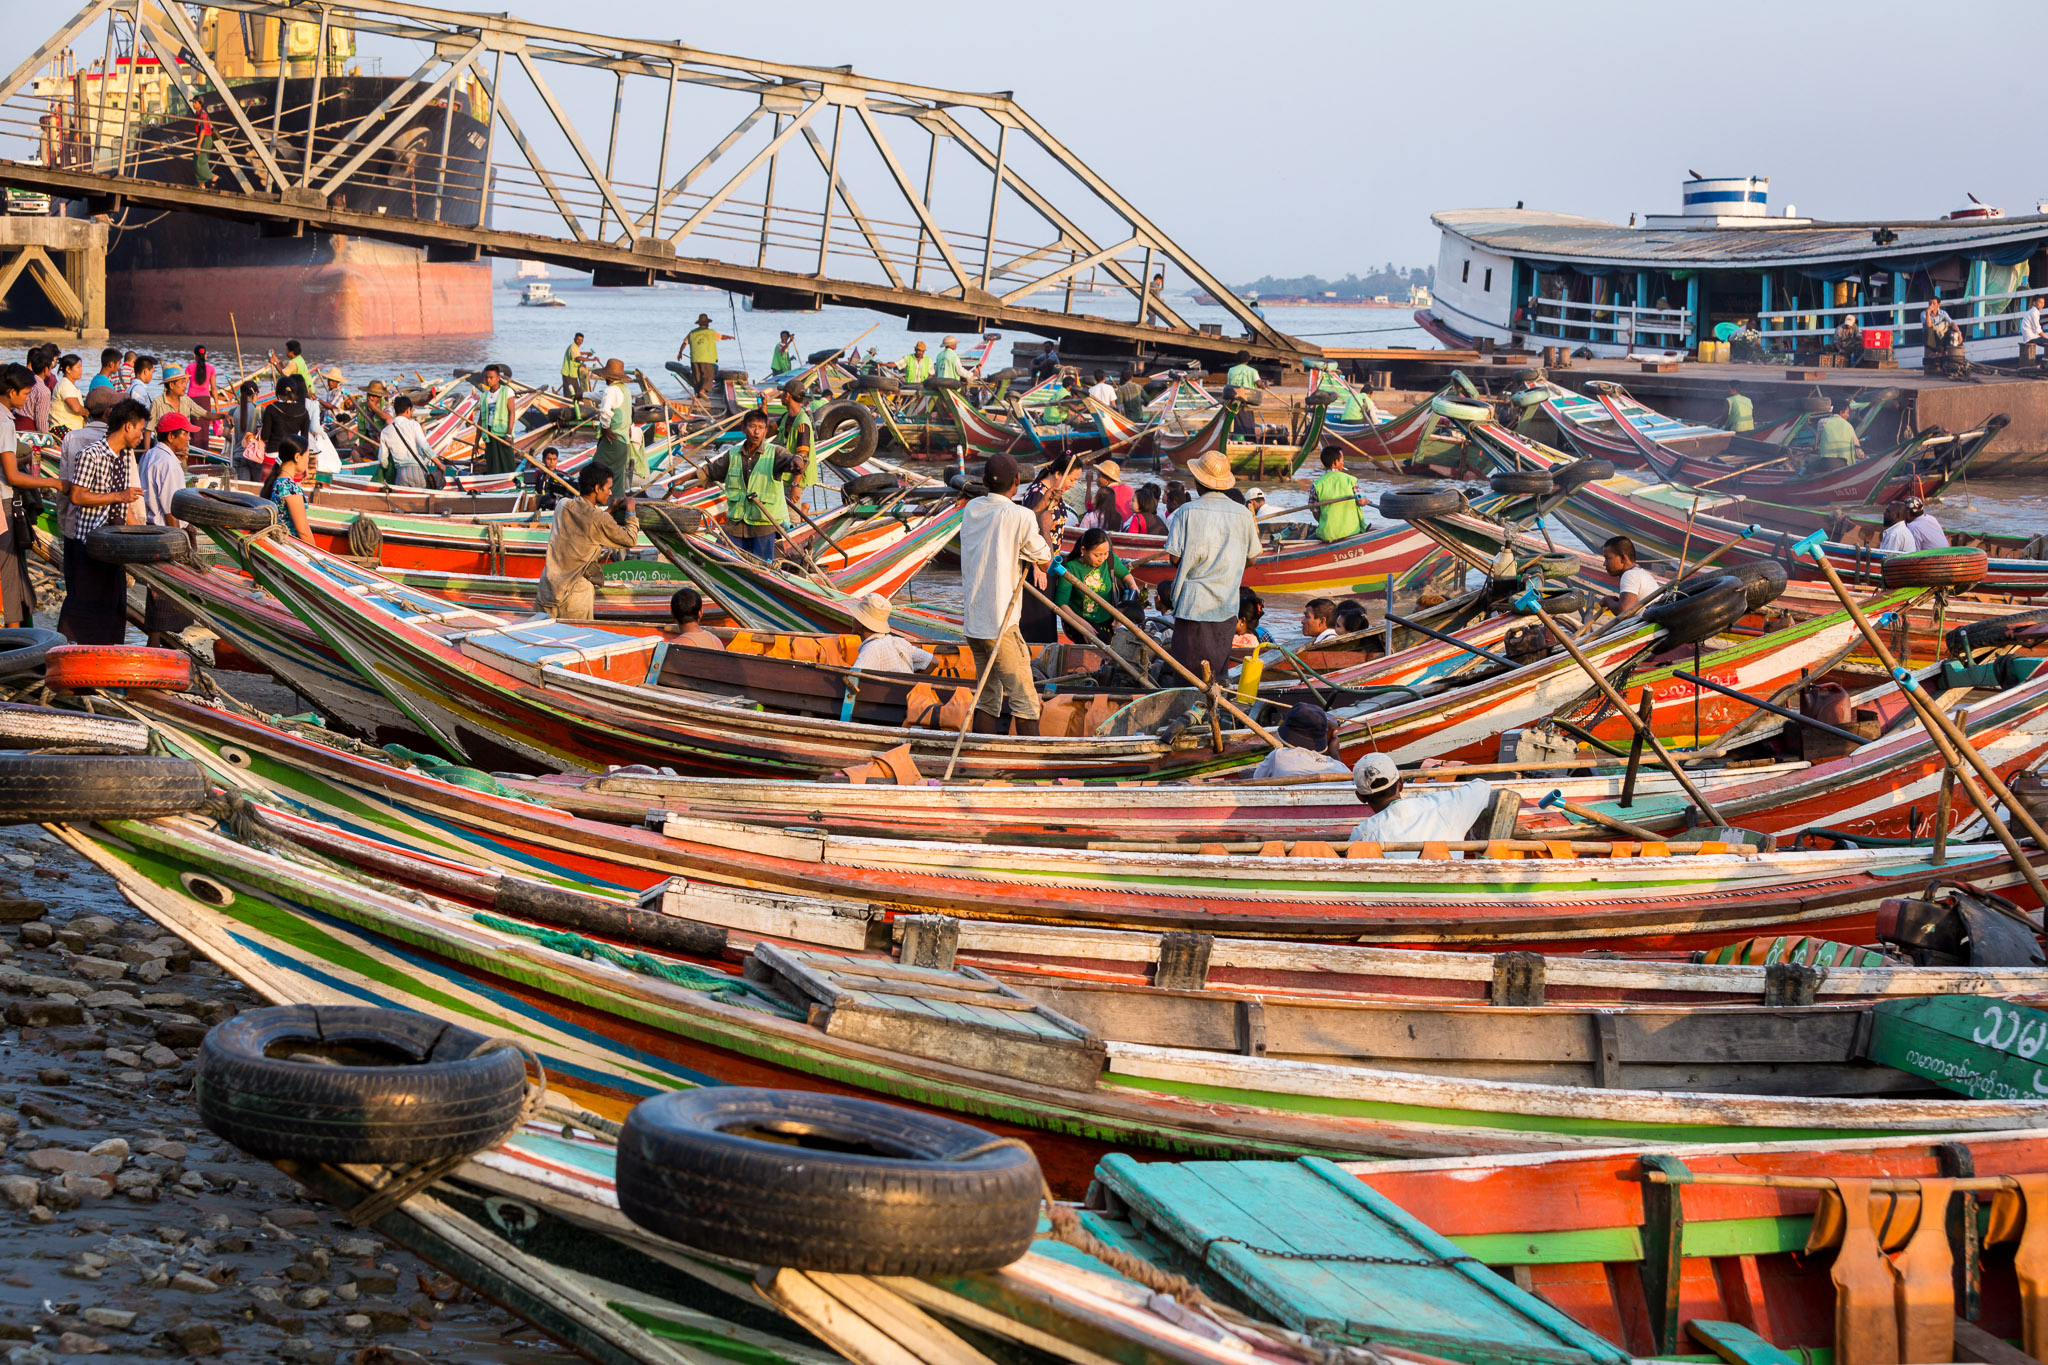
(1209, 542)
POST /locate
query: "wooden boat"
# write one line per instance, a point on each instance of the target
(1733, 1251)
(458, 837)
(1412, 437)
(1304, 566)
(984, 435)
(625, 1025)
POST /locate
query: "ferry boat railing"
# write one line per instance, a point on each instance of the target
(1982, 315)
(1612, 323)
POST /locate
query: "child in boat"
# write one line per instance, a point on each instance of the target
(884, 651)
(1304, 735)
(1251, 608)
(686, 606)
(1094, 564)
(1146, 521)
(1618, 555)
(1424, 818)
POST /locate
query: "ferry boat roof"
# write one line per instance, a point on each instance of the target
(1570, 238)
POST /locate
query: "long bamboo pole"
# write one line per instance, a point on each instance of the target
(981, 682)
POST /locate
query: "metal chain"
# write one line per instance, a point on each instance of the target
(1349, 1258)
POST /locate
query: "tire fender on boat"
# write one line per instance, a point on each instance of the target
(1460, 411)
(139, 545)
(853, 1186)
(77, 667)
(1953, 566)
(837, 415)
(1718, 603)
(59, 788)
(1428, 502)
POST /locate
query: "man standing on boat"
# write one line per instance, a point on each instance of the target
(573, 361)
(946, 364)
(997, 538)
(615, 421)
(1741, 414)
(794, 433)
(1243, 382)
(494, 423)
(1834, 440)
(702, 344)
(1336, 499)
(756, 477)
(1209, 542)
(784, 359)
(917, 366)
(583, 530)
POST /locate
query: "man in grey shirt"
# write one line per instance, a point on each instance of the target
(1209, 541)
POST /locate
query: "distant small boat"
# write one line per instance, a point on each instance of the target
(1976, 208)
(540, 295)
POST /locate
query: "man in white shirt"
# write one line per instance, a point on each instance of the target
(1304, 736)
(884, 651)
(1637, 584)
(1897, 538)
(1319, 620)
(1424, 818)
(996, 536)
(403, 452)
(1103, 391)
(2030, 321)
(1927, 532)
(1209, 542)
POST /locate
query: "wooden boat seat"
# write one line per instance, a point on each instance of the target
(960, 1015)
(528, 648)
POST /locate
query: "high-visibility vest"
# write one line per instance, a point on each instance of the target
(494, 411)
(1741, 415)
(1339, 518)
(917, 368)
(797, 423)
(622, 412)
(1836, 439)
(752, 492)
(947, 365)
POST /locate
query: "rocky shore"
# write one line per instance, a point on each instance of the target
(132, 1231)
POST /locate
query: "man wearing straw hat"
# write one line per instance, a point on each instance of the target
(884, 651)
(702, 344)
(946, 364)
(614, 422)
(1209, 542)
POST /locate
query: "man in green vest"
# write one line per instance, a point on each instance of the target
(494, 423)
(1336, 499)
(1062, 393)
(702, 344)
(573, 361)
(754, 476)
(615, 423)
(1835, 442)
(795, 434)
(784, 359)
(1741, 416)
(1242, 385)
(946, 365)
(917, 366)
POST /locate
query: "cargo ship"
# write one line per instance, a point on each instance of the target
(188, 274)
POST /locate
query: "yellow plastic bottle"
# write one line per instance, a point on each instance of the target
(1248, 676)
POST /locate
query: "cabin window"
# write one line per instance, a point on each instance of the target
(1488, 286)
(1466, 276)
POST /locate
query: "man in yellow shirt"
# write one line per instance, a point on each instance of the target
(1336, 499)
(702, 344)
(917, 366)
(1244, 382)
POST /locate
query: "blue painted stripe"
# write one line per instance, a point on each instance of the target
(1728, 197)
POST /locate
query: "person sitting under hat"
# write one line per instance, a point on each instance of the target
(702, 344)
(756, 479)
(333, 396)
(1209, 542)
(686, 607)
(1111, 474)
(371, 416)
(1927, 532)
(1426, 817)
(1305, 750)
(881, 649)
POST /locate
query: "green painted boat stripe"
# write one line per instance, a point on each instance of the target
(1553, 1248)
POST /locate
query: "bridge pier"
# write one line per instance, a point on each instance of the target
(53, 279)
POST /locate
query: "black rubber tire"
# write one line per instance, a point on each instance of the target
(657, 516)
(867, 485)
(1716, 605)
(877, 383)
(1984, 634)
(738, 375)
(1580, 472)
(936, 384)
(820, 357)
(533, 419)
(1429, 502)
(676, 368)
(409, 1087)
(1559, 603)
(947, 1199)
(1523, 481)
(1009, 375)
(53, 727)
(1954, 566)
(24, 648)
(1321, 398)
(139, 545)
(1764, 579)
(837, 415)
(35, 788)
(222, 509)
(1815, 406)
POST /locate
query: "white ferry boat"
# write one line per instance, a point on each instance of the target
(1666, 284)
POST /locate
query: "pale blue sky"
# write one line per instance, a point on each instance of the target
(1318, 136)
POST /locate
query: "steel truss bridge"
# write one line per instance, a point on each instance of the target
(811, 185)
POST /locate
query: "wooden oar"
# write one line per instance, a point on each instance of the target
(1452, 640)
(1953, 746)
(1528, 602)
(1556, 798)
(1213, 687)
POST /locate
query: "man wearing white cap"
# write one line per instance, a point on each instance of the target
(946, 364)
(1424, 818)
(884, 651)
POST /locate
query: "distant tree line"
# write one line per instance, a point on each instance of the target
(1390, 280)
